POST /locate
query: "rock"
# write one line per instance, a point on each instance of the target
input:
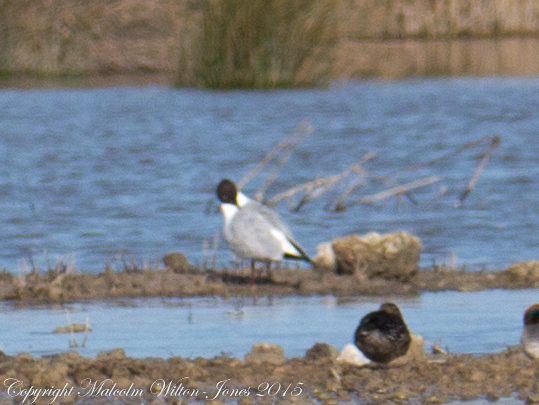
(3, 356)
(115, 354)
(321, 351)
(522, 272)
(178, 263)
(266, 353)
(393, 256)
(352, 355)
(325, 258)
(416, 351)
(76, 327)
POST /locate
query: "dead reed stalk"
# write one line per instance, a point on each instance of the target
(290, 141)
(394, 191)
(205, 248)
(303, 130)
(215, 247)
(445, 156)
(317, 187)
(486, 157)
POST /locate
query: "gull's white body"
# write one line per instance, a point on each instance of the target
(254, 231)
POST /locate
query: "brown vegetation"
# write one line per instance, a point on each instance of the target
(207, 43)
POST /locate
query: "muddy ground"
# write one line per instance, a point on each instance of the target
(57, 287)
(433, 380)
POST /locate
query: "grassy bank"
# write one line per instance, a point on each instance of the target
(263, 43)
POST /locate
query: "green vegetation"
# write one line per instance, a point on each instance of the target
(259, 44)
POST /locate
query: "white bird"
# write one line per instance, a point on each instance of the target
(530, 333)
(254, 231)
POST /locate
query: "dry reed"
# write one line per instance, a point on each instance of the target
(290, 141)
(313, 189)
(264, 43)
(486, 157)
(258, 44)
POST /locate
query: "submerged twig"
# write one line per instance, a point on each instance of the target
(318, 186)
(205, 248)
(333, 180)
(486, 157)
(72, 338)
(215, 247)
(390, 182)
(443, 157)
(303, 127)
(86, 332)
(353, 186)
(300, 133)
(394, 191)
(318, 182)
(338, 204)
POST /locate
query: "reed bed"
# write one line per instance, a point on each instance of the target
(431, 19)
(259, 44)
(268, 43)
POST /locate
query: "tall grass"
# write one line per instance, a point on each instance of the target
(259, 44)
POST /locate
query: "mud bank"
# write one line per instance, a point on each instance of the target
(54, 287)
(314, 378)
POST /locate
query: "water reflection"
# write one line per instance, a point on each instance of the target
(478, 322)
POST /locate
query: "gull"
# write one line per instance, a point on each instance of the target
(254, 231)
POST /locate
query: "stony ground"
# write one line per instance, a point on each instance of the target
(315, 377)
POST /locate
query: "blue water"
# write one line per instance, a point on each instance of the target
(479, 322)
(93, 174)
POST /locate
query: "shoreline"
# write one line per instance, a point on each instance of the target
(53, 287)
(420, 378)
(430, 379)
(26, 82)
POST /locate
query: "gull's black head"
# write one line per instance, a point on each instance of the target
(227, 192)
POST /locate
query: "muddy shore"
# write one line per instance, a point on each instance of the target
(433, 380)
(56, 287)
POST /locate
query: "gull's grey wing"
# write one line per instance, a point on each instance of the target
(249, 235)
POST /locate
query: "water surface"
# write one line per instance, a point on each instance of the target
(96, 173)
(479, 322)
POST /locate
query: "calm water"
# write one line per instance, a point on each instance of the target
(478, 322)
(93, 173)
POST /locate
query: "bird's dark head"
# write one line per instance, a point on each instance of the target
(391, 308)
(531, 316)
(227, 192)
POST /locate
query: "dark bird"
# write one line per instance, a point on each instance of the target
(382, 335)
(254, 231)
(530, 332)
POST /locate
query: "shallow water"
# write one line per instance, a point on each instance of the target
(478, 322)
(93, 173)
